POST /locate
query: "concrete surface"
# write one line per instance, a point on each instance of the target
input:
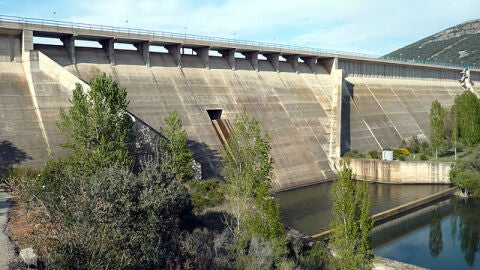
(402, 172)
(6, 247)
(309, 108)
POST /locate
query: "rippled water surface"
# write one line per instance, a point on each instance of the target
(309, 209)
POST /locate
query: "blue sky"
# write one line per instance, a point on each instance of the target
(364, 26)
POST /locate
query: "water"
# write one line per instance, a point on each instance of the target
(309, 209)
(448, 240)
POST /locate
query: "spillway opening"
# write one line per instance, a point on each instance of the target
(214, 114)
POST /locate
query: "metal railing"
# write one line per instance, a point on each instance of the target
(116, 29)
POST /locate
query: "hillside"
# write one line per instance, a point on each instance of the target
(459, 44)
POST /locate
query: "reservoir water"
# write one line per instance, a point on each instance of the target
(448, 238)
(309, 209)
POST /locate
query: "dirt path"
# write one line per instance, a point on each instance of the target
(6, 247)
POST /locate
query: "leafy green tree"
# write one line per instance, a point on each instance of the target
(437, 116)
(351, 221)
(455, 135)
(97, 127)
(247, 173)
(181, 160)
(467, 107)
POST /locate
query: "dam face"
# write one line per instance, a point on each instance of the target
(313, 106)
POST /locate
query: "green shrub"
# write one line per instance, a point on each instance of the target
(205, 193)
(114, 218)
(22, 182)
(352, 154)
(375, 154)
(423, 157)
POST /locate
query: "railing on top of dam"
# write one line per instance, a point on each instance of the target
(116, 29)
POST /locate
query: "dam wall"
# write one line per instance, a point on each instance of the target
(402, 172)
(313, 105)
(381, 112)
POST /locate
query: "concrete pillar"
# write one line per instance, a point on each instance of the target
(27, 40)
(253, 58)
(107, 45)
(330, 64)
(174, 51)
(69, 45)
(293, 61)
(229, 54)
(311, 61)
(274, 59)
(144, 49)
(203, 54)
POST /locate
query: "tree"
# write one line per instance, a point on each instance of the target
(437, 116)
(351, 221)
(455, 135)
(97, 127)
(247, 173)
(466, 174)
(467, 107)
(180, 161)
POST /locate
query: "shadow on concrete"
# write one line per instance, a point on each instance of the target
(210, 159)
(346, 116)
(10, 155)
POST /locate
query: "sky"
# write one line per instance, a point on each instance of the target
(360, 26)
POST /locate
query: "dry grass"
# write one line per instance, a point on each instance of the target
(29, 227)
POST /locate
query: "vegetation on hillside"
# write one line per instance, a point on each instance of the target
(455, 45)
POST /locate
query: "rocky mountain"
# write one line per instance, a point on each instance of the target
(459, 45)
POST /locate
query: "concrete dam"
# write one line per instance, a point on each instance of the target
(313, 105)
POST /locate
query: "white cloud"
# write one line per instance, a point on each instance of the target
(372, 26)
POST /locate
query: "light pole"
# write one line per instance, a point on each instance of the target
(185, 32)
(54, 16)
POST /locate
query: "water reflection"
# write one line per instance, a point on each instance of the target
(435, 241)
(425, 245)
(467, 219)
(309, 209)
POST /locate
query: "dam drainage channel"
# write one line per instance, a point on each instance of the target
(400, 211)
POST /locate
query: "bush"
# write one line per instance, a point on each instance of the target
(205, 193)
(404, 151)
(423, 157)
(114, 218)
(353, 154)
(374, 154)
(21, 182)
